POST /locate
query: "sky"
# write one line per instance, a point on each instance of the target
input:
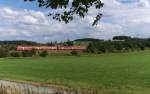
(25, 21)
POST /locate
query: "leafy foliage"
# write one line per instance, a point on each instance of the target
(70, 8)
(117, 45)
(88, 40)
(92, 48)
(15, 54)
(74, 53)
(44, 54)
(3, 52)
(27, 54)
(68, 43)
(122, 38)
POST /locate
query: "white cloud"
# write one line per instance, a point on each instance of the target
(133, 18)
(34, 25)
(144, 3)
(118, 19)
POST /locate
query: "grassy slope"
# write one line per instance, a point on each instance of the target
(123, 73)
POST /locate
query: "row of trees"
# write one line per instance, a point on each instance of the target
(4, 52)
(119, 44)
(18, 42)
(8, 48)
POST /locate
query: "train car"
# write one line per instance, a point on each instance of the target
(29, 48)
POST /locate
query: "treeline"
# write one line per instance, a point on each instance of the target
(30, 43)
(18, 42)
(4, 52)
(87, 40)
(11, 45)
(119, 44)
(96, 46)
(8, 49)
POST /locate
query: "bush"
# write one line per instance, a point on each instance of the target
(33, 52)
(27, 54)
(3, 52)
(15, 54)
(44, 54)
(92, 48)
(75, 53)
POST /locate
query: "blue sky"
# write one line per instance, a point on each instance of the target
(128, 1)
(19, 4)
(25, 21)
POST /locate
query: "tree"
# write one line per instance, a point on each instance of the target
(122, 38)
(69, 43)
(74, 53)
(70, 8)
(15, 54)
(27, 54)
(3, 52)
(33, 52)
(92, 48)
(44, 54)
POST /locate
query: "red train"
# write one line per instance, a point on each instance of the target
(29, 48)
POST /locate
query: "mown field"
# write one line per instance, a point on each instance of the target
(120, 73)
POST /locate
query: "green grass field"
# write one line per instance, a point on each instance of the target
(121, 73)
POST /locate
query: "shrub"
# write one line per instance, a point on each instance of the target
(44, 54)
(92, 48)
(33, 52)
(3, 52)
(15, 54)
(27, 54)
(75, 53)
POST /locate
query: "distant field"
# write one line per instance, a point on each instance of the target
(121, 73)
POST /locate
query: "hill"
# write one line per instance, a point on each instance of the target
(18, 42)
(87, 40)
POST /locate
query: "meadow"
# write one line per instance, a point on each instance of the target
(117, 73)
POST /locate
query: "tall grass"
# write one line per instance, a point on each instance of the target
(7, 87)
